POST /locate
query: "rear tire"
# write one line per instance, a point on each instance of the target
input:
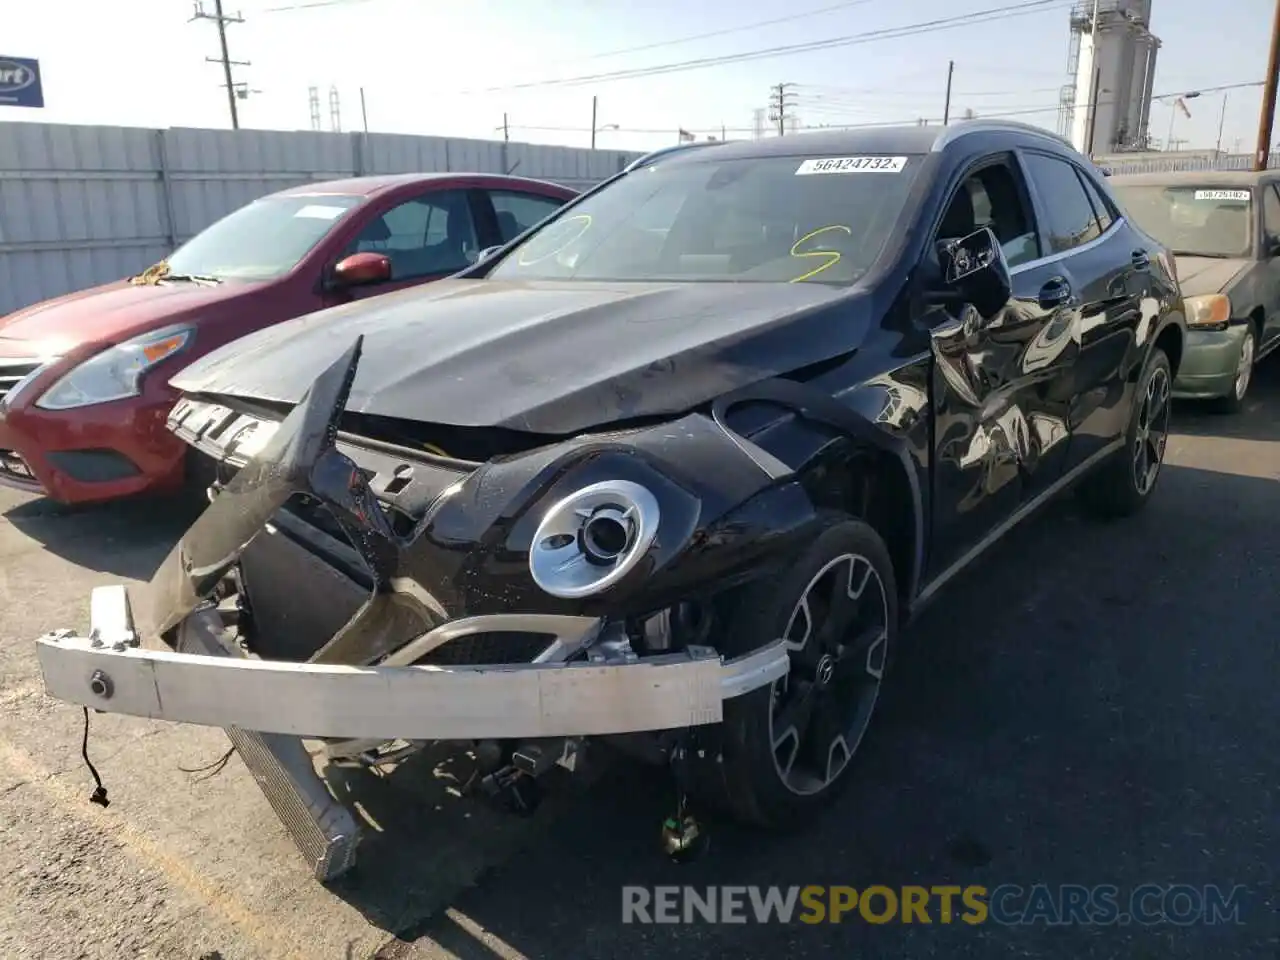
(786, 748)
(1234, 401)
(1123, 485)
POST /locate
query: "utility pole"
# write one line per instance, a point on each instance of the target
(364, 114)
(594, 104)
(506, 130)
(1093, 102)
(780, 99)
(1222, 119)
(1263, 155)
(946, 107)
(222, 20)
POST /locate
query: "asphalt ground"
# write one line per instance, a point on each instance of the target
(1092, 704)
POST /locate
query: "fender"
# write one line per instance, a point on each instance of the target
(816, 406)
(1175, 321)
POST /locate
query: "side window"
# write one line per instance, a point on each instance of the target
(1100, 205)
(991, 197)
(1270, 211)
(517, 212)
(428, 235)
(1071, 220)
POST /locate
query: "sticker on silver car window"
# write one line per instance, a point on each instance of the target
(1222, 195)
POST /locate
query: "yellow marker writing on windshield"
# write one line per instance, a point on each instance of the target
(833, 256)
(432, 448)
(583, 223)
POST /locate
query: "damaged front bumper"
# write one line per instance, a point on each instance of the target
(106, 671)
(430, 586)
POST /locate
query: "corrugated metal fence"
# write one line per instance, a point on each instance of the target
(1159, 163)
(83, 205)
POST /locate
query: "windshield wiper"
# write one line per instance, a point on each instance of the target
(1201, 253)
(190, 278)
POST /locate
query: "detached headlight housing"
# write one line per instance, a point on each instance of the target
(593, 538)
(115, 373)
(1210, 312)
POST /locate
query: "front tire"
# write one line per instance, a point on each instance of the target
(786, 749)
(1122, 486)
(1234, 401)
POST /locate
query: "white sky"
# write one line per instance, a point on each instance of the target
(422, 65)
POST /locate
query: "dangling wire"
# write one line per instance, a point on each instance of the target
(210, 769)
(99, 795)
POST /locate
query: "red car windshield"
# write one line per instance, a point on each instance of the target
(263, 239)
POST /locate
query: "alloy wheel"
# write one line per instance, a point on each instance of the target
(1244, 370)
(838, 640)
(1152, 433)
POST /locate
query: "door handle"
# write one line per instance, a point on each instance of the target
(1141, 260)
(1056, 293)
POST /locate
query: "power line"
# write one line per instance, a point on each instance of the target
(313, 4)
(853, 97)
(904, 121)
(870, 36)
(724, 32)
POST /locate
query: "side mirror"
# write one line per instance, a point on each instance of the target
(362, 269)
(975, 267)
(1272, 246)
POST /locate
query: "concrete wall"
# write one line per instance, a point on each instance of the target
(82, 205)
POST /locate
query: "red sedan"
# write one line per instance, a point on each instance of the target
(84, 378)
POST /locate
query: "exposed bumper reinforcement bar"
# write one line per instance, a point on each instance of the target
(201, 683)
(399, 702)
(266, 707)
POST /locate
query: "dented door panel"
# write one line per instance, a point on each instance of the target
(1001, 432)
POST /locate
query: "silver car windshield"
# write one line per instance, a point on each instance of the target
(1193, 220)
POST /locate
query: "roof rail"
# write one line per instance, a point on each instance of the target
(978, 125)
(649, 158)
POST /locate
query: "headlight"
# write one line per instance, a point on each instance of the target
(592, 538)
(116, 372)
(1213, 310)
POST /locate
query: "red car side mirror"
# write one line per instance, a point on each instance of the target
(361, 269)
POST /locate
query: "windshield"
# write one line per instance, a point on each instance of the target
(1197, 221)
(262, 240)
(761, 220)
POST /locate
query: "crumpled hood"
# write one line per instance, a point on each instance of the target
(1198, 276)
(548, 357)
(109, 313)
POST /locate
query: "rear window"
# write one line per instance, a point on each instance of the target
(757, 220)
(1193, 220)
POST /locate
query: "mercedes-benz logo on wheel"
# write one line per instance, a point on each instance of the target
(826, 669)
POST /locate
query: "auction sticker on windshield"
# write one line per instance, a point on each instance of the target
(318, 211)
(852, 165)
(1223, 195)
